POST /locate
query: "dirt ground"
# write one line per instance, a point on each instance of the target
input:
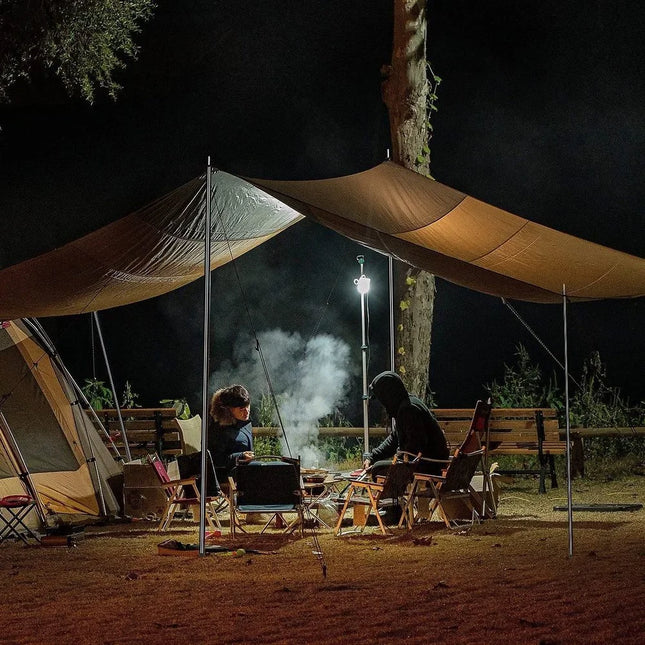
(508, 580)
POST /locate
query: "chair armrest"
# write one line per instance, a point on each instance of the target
(178, 482)
(404, 455)
(436, 461)
(427, 477)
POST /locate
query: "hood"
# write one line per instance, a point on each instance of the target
(389, 389)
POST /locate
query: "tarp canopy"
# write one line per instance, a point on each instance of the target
(387, 208)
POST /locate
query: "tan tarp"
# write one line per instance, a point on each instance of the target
(387, 208)
(150, 252)
(462, 239)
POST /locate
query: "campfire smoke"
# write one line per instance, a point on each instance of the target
(309, 379)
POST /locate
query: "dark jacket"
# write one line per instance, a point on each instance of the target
(227, 443)
(414, 429)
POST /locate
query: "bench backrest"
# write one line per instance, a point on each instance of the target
(148, 430)
(516, 425)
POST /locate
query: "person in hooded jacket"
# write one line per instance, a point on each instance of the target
(230, 434)
(414, 429)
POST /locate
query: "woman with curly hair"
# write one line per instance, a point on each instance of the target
(230, 435)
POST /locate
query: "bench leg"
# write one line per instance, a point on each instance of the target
(577, 458)
(554, 479)
(543, 465)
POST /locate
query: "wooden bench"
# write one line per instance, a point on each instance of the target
(148, 430)
(513, 431)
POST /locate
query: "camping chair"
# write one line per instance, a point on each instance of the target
(477, 437)
(175, 490)
(191, 466)
(17, 508)
(375, 494)
(450, 488)
(268, 484)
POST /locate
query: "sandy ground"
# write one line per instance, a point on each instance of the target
(508, 580)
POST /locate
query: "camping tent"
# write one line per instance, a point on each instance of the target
(43, 428)
(387, 208)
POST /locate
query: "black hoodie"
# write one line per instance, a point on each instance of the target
(414, 429)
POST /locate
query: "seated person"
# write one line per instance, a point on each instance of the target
(414, 429)
(230, 435)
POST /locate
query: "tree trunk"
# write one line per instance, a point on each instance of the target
(405, 93)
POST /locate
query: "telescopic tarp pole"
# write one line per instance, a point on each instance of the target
(566, 401)
(206, 350)
(390, 266)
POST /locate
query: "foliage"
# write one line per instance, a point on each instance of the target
(266, 411)
(597, 405)
(98, 394)
(266, 446)
(593, 404)
(339, 451)
(181, 405)
(423, 157)
(129, 398)
(84, 42)
(523, 386)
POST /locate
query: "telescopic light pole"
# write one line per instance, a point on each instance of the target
(363, 286)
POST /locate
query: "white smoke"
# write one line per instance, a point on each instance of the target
(309, 379)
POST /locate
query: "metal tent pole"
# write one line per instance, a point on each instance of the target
(206, 349)
(18, 462)
(46, 342)
(566, 400)
(565, 368)
(126, 445)
(390, 277)
(37, 328)
(363, 285)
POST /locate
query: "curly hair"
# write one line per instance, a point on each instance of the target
(234, 396)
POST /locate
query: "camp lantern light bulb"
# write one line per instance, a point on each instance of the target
(362, 284)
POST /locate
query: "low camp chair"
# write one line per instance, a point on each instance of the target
(16, 507)
(191, 466)
(268, 485)
(391, 488)
(452, 486)
(182, 494)
(477, 437)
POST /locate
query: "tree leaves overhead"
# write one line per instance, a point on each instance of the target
(82, 42)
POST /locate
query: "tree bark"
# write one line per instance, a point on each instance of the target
(405, 93)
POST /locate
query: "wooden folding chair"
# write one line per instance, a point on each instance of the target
(267, 485)
(453, 485)
(182, 494)
(477, 437)
(372, 494)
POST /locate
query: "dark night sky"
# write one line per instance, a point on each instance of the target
(540, 113)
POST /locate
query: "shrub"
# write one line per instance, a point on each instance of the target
(593, 404)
